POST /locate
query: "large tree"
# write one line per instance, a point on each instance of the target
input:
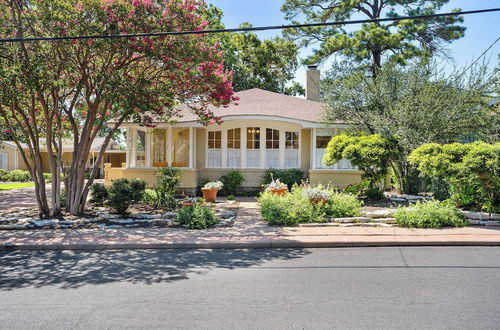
(369, 43)
(56, 90)
(414, 105)
(268, 64)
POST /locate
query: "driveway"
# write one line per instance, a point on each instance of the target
(19, 198)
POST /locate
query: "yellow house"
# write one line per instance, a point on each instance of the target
(266, 130)
(11, 159)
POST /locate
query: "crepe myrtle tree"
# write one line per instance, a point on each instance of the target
(59, 90)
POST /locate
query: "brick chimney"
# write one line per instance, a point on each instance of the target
(312, 83)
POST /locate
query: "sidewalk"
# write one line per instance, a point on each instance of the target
(249, 231)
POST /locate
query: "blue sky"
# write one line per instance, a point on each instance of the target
(482, 29)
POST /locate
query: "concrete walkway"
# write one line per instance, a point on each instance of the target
(249, 231)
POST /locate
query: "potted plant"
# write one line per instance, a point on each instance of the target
(210, 190)
(317, 195)
(277, 187)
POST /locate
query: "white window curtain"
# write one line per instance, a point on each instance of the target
(214, 154)
(292, 149)
(253, 158)
(233, 158)
(272, 158)
(233, 148)
(253, 147)
(323, 136)
(4, 161)
(140, 160)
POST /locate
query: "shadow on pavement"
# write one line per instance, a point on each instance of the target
(72, 269)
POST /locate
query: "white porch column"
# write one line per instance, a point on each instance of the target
(169, 146)
(224, 148)
(313, 148)
(282, 148)
(148, 152)
(133, 140)
(262, 147)
(243, 147)
(191, 147)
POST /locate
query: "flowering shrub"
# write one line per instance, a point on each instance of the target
(316, 193)
(213, 185)
(295, 207)
(276, 184)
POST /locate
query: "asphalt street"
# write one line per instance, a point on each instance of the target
(356, 288)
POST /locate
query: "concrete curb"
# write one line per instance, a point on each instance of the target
(258, 244)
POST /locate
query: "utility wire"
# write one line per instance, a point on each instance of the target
(261, 28)
(478, 58)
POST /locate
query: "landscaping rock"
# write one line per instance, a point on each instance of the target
(45, 222)
(394, 199)
(146, 216)
(122, 221)
(14, 227)
(93, 220)
(350, 224)
(350, 220)
(480, 215)
(68, 222)
(385, 220)
(170, 215)
(110, 216)
(226, 215)
(489, 223)
(378, 214)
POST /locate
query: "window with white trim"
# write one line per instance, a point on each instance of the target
(180, 147)
(253, 147)
(234, 148)
(4, 160)
(291, 149)
(214, 149)
(272, 148)
(323, 137)
(160, 148)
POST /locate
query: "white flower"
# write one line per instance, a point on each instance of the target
(213, 185)
(316, 193)
(277, 184)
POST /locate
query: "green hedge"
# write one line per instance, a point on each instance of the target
(289, 177)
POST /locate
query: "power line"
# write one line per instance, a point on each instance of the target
(478, 58)
(248, 29)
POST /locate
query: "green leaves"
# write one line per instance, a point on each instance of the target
(396, 41)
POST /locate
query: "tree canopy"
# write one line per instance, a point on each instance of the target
(268, 64)
(398, 41)
(71, 89)
(415, 104)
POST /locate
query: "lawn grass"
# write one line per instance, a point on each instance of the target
(17, 185)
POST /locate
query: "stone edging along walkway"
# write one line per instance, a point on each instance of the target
(248, 231)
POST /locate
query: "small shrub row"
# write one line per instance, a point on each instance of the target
(20, 176)
(430, 214)
(120, 195)
(296, 207)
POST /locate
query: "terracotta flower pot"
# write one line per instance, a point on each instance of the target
(318, 201)
(279, 192)
(209, 195)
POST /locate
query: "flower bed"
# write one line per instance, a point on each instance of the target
(296, 207)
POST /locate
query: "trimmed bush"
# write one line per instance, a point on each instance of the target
(47, 177)
(150, 197)
(231, 197)
(289, 177)
(16, 176)
(430, 214)
(124, 192)
(99, 194)
(295, 207)
(169, 179)
(197, 217)
(232, 181)
(2, 173)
